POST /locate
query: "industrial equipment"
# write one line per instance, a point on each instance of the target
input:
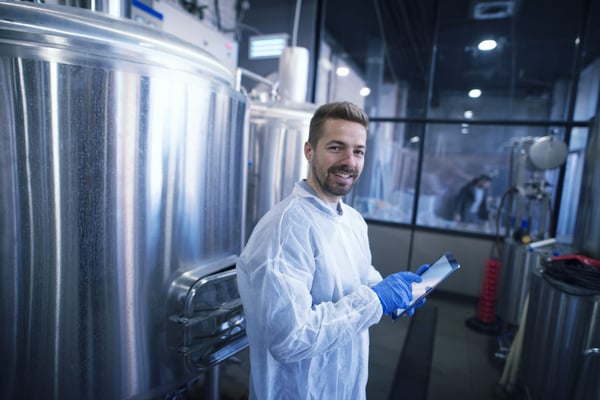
(277, 133)
(587, 227)
(121, 208)
(561, 344)
(278, 125)
(526, 220)
(556, 351)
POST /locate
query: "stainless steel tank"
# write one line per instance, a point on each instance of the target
(561, 346)
(277, 133)
(122, 175)
(586, 235)
(514, 280)
(520, 261)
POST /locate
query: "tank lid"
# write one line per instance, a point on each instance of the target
(52, 30)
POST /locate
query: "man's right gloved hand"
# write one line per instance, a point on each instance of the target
(395, 291)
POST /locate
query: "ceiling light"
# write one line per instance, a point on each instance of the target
(474, 93)
(342, 71)
(468, 114)
(487, 45)
(365, 91)
(267, 46)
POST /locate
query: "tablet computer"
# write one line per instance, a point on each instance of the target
(430, 279)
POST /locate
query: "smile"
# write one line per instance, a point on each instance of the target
(343, 175)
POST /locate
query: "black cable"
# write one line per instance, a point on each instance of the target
(575, 273)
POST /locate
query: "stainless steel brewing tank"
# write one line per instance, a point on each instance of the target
(122, 182)
(277, 133)
(587, 226)
(561, 346)
(519, 262)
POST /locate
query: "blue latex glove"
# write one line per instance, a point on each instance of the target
(422, 269)
(419, 272)
(395, 291)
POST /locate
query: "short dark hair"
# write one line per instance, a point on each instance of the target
(336, 110)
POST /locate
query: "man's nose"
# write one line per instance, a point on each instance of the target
(350, 158)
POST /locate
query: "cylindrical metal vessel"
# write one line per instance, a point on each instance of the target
(519, 262)
(586, 236)
(276, 137)
(561, 345)
(517, 266)
(121, 168)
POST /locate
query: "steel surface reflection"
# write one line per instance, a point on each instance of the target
(121, 168)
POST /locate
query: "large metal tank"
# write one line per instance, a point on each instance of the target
(514, 280)
(276, 161)
(122, 175)
(561, 344)
(586, 236)
(521, 262)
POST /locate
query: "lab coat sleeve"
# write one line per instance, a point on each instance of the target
(374, 276)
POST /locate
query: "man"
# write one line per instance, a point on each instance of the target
(471, 201)
(305, 276)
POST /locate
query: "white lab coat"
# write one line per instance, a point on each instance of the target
(304, 279)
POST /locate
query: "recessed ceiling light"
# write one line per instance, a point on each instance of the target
(468, 114)
(365, 91)
(474, 93)
(342, 71)
(487, 45)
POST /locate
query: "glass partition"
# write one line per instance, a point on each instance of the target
(445, 109)
(386, 189)
(470, 177)
(473, 173)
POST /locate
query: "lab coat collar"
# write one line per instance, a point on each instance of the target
(303, 189)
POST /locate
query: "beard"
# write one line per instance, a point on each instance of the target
(331, 185)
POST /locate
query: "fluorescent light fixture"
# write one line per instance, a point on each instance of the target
(267, 46)
(342, 71)
(487, 45)
(474, 93)
(364, 92)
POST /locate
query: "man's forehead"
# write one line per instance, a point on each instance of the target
(343, 127)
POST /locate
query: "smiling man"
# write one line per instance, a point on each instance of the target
(305, 277)
(335, 151)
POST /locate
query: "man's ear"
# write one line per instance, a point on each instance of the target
(308, 151)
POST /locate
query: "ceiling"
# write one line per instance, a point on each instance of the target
(536, 40)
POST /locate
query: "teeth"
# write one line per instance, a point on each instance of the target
(343, 175)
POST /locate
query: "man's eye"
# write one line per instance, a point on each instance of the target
(360, 153)
(335, 148)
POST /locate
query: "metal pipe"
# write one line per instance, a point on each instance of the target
(244, 72)
(212, 379)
